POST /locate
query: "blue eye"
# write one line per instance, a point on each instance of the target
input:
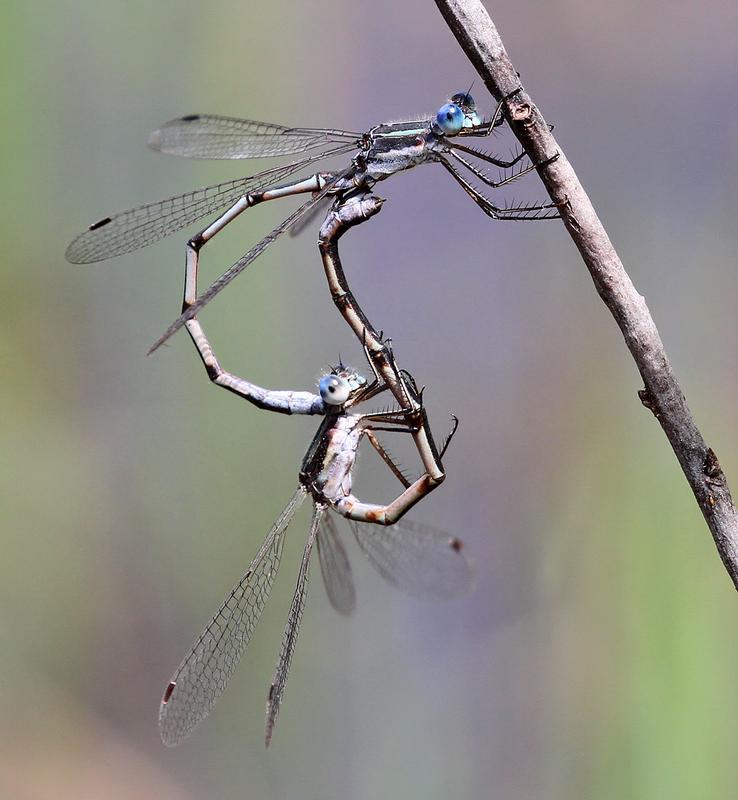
(334, 390)
(450, 119)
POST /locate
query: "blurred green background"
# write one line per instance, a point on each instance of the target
(597, 656)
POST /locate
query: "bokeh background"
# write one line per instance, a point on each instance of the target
(597, 655)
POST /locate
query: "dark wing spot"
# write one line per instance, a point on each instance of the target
(455, 544)
(168, 692)
(190, 118)
(96, 225)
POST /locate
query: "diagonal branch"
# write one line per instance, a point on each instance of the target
(662, 395)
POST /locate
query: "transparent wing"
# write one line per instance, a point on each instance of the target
(335, 567)
(236, 269)
(418, 559)
(144, 225)
(318, 210)
(276, 691)
(203, 675)
(210, 136)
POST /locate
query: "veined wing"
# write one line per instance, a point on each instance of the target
(318, 210)
(210, 136)
(203, 675)
(335, 567)
(144, 225)
(236, 269)
(276, 691)
(418, 559)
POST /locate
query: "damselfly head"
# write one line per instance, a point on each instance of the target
(340, 384)
(459, 113)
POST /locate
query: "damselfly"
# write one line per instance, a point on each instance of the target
(419, 559)
(379, 153)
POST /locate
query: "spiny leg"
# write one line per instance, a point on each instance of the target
(416, 558)
(526, 212)
(384, 454)
(504, 180)
(387, 458)
(389, 514)
(352, 508)
(391, 421)
(450, 435)
(488, 157)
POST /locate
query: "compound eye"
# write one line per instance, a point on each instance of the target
(334, 390)
(450, 119)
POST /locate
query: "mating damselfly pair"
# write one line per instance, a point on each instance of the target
(417, 558)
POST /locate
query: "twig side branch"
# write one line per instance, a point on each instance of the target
(476, 33)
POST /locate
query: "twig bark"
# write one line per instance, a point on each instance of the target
(662, 395)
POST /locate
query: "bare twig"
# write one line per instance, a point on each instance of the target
(478, 37)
